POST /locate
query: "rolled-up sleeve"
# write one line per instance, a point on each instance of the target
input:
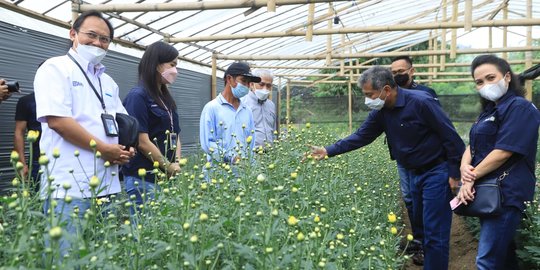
(52, 91)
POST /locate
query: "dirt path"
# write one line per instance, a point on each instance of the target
(463, 246)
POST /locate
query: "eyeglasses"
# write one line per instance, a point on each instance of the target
(400, 71)
(265, 85)
(94, 36)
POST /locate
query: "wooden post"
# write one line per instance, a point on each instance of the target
(350, 107)
(271, 6)
(342, 62)
(443, 36)
(213, 90)
(505, 31)
(430, 58)
(453, 46)
(528, 55)
(309, 31)
(288, 120)
(434, 57)
(329, 37)
(490, 38)
(278, 105)
(74, 12)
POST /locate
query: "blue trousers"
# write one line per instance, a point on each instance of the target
(72, 226)
(137, 190)
(430, 197)
(404, 182)
(496, 247)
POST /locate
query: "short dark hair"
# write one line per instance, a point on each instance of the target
(92, 13)
(378, 76)
(157, 53)
(403, 57)
(503, 67)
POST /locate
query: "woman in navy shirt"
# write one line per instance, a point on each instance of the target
(503, 139)
(153, 106)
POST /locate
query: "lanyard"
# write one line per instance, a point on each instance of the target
(92, 85)
(169, 113)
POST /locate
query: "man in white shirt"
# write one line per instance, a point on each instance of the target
(264, 110)
(76, 102)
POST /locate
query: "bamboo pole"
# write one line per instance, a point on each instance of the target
(352, 8)
(271, 6)
(468, 15)
(199, 5)
(368, 29)
(350, 107)
(370, 55)
(528, 54)
(213, 89)
(312, 82)
(450, 65)
(433, 73)
(309, 31)
(453, 43)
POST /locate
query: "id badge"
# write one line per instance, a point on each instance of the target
(109, 124)
(173, 140)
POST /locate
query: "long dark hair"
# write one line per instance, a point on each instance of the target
(156, 54)
(503, 67)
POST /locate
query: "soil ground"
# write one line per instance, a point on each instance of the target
(463, 245)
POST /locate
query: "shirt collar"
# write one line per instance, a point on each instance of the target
(99, 68)
(221, 100)
(507, 96)
(400, 98)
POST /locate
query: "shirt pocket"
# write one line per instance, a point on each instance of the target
(160, 119)
(486, 136)
(410, 134)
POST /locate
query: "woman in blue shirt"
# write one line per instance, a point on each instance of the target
(154, 107)
(503, 139)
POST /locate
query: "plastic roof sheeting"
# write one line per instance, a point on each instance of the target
(360, 13)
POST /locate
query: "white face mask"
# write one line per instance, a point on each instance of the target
(262, 94)
(375, 104)
(92, 54)
(494, 91)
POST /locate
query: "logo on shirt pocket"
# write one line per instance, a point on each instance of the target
(490, 119)
(76, 83)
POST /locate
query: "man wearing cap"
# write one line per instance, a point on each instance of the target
(227, 131)
(263, 109)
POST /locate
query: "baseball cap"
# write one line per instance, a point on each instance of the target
(241, 68)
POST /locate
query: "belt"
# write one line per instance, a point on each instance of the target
(426, 167)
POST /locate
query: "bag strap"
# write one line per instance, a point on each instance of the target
(91, 84)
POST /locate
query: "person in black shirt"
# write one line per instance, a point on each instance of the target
(25, 119)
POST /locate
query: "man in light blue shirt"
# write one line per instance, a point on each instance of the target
(263, 109)
(227, 131)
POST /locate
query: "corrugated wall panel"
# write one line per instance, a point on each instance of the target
(22, 50)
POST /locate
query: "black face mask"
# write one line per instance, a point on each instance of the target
(401, 79)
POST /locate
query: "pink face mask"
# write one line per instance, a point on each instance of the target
(169, 75)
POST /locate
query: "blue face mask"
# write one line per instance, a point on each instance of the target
(240, 90)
